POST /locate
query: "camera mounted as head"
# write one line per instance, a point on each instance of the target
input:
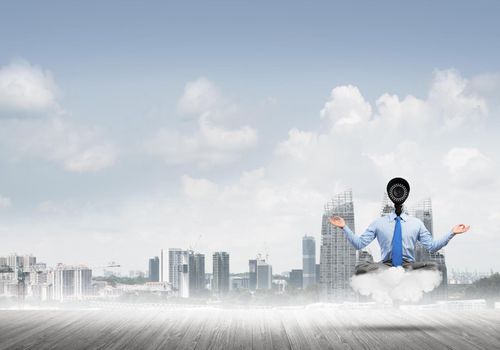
(398, 190)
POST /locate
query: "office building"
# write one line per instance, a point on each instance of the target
(308, 261)
(220, 264)
(176, 258)
(196, 273)
(296, 278)
(154, 269)
(423, 211)
(337, 255)
(264, 275)
(163, 275)
(239, 282)
(252, 274)
(71, 282)
(183, 275)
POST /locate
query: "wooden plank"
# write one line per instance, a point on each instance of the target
(207, 328)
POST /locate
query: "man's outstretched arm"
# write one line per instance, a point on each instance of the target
(433, 245)
(358, 242)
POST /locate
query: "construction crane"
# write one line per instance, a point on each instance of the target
(110, 264)
(192, 247)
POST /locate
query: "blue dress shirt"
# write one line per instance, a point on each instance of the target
(412, 228)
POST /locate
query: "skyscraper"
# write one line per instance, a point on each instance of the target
(196, 272)
(423, 211)
(163, 266)
(176, 258)
(183, 275)
(252, 274)
(264, 275)
(337, 255)
(308, 261)
(154, 269)
(220, 284)
(317, 273)
(296, 279)
(72, 282)
(387, 207)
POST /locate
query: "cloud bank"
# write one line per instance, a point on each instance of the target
(443, 142)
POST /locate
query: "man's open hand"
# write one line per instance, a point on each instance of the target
(461, 228)
(337, 221)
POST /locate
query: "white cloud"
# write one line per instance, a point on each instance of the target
(404, 160)
(212, 143)
(198, 188)
(5, 202)
(209, 146)
(451, 101)
(346, 107)
(469, 167)
(25, 87)
(298, 144)
(28, 88)
(459, 158)
(199, 97)
(76, 149)
(220, 138)
(93, 158)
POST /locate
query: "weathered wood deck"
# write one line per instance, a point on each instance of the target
(205, 328)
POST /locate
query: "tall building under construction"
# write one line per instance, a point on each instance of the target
(423, 211)
(337, 255)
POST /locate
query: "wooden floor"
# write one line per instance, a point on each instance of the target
(206, 328)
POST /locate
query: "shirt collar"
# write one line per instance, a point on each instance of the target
(392, 216)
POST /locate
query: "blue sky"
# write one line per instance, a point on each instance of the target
(120, 69)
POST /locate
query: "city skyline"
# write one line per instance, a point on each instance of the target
(187, 276)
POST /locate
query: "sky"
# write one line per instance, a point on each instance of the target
(127, 127)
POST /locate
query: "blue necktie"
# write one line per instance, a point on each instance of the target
(397, 244)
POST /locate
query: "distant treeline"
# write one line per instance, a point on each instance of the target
(114, 280)
(485, 288)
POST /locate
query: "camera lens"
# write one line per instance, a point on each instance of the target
(398, 192)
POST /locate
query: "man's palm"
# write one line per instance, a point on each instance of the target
(337, 221)
(460, 229)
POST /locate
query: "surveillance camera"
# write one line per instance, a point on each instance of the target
(398, 190)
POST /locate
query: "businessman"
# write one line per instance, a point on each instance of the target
(397, 235)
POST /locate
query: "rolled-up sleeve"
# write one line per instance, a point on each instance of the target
(364, 239)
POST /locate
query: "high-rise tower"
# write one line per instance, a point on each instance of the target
(423, 211)
(154, 269)
(308, 261)
(337, 255)
(220, 284)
